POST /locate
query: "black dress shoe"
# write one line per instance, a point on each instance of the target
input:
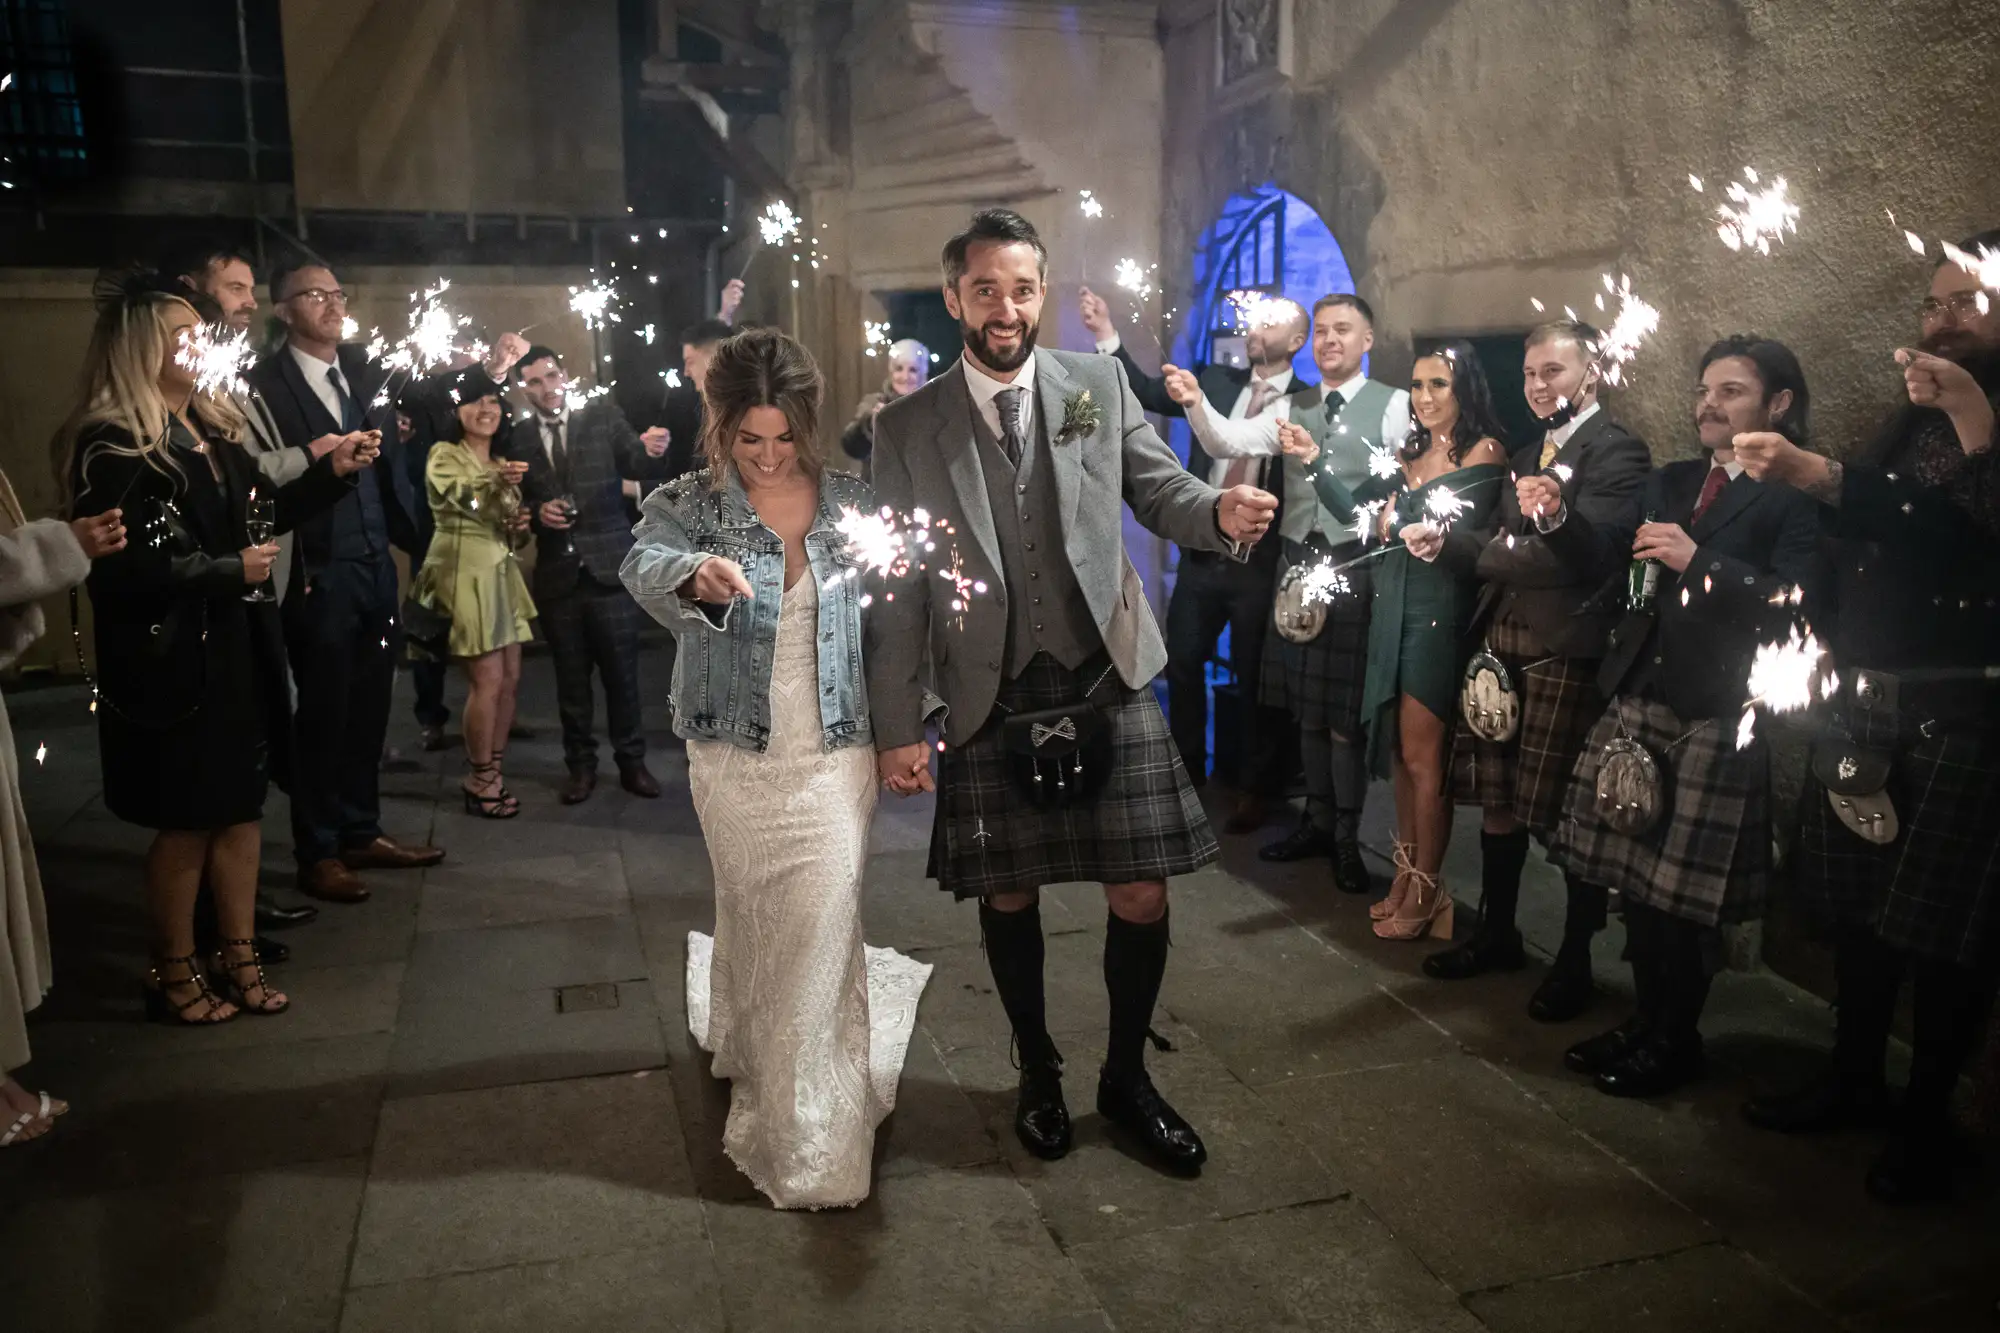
(276, 916)
(1593, 1055)
(1832, 1101)
(1136, 1106)
(1564, 994)
(1041, 1117)
(1494, 951)
(1652, 1068)
(1916, 1166)
(1350, 872)
(1302, 842)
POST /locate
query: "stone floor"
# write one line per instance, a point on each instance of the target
(485, 1113)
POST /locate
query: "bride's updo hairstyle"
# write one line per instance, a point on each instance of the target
(762, 368)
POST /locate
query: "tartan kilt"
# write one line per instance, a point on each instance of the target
(1145, 824)
(1320, 683)
(1935, 891)
(1708, 860)
(1531, 773)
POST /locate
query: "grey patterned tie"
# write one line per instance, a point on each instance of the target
(1011, 402)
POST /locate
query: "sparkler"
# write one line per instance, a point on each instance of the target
(595, 304)
(1382, 462)
(1444, 505)
(1984, 266)
(1091, 205)
(775, 225)
(875, 336)
(1635, 321)
(1785, 676)
(217, 357)
(1754, 219)
(350, 328)
(574, 396)
(1323, 582)
(41, 751)
(1128, 274)
(1259, 310)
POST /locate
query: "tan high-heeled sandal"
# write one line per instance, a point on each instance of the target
(1384, 908)
(1434, 905)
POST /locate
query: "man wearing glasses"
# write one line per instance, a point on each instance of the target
(340, 615)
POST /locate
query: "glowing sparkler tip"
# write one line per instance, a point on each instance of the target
(349, 327)
(216, 356)
(1755, 219)
(41, 750)
(594, 304)
(1131, 275)
(1536, 303)
(777, 223)
(1091, 205)
(1914, 241)
(1695, 181)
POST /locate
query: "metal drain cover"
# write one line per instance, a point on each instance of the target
(583, 999)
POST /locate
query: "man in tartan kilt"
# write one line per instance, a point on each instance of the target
(1554, 573)
(1028, 457)
(1732, 553)
(1899, 847)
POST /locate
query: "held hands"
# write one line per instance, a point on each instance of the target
(1667, 543)
(507, 352)
(257, 562)
(1295, 441)
(100, 534)
(906, 770)
(1096, 316)
(718, 581)
(353, 452)
(1932, 381)
(554, 515)
(1181, 385)
(1540, 496)
(656, 439)
(1244, 513)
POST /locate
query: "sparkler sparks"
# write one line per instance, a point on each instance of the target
(41, 751)
(1128, 274)
(1322, 583)
(1364, 519)
(1635, 321)
(432, 341)
(575, 396)
(1984, 266)
(1444, 505)
(217, 357)
(1260, 310)
(875, 336)
(595, 304)
(672, 377)
(350, 328)
(777, 223)
(1382, 462)
(1091, 205)
(1784, 677)
(1754, 219)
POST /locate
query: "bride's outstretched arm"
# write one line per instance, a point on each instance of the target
(662, 561)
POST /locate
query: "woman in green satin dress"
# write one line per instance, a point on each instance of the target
(1426, 513)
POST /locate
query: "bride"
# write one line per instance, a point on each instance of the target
(743, 562)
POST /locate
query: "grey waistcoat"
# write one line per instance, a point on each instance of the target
(1046, 611)
(1346, 453)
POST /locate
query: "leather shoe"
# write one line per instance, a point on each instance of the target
(1136, 1106)
(1302, 842)
(1041, 1117)
(386, 853)
(1564, 994)
(1486, 951)
(1593, 1055)
(275, 916)
(333, 882)
(1652, 1068)
(1246, 816)
(1832, 1101)
(635, 778)
(1350, 872)
(433, 738)
(582, 782)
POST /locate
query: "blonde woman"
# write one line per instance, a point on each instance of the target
(909, 368)
(36, 560)
(193, 710)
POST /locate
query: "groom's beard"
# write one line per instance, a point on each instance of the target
(982, 350)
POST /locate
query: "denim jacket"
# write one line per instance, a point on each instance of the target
(722, 673)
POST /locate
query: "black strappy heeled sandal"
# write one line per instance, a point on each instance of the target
(233, 988)
(162, 1008)
(500, 805)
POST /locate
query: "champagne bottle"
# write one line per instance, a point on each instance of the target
(1642, 580)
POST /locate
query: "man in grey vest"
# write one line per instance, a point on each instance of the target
(1315, 671)
(1055, 764)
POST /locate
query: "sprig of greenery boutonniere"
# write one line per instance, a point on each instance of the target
(1081, 416)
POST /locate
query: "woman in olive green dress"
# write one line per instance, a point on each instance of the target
(1443, 490)
(470, 576)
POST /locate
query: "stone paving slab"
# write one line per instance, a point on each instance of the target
(563, 887)
(656, 1289)
(959, 1007)
(452, 1040)
(1327, 1268)
(1484, 1184)
(476, 1180)
(1712, 1288)
(536, 955)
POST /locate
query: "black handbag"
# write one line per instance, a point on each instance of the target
(426, 628)
(1060, 757)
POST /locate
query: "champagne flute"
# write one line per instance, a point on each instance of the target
(568, 503)
(260, 521)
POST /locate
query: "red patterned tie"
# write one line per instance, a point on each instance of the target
(1718, 477)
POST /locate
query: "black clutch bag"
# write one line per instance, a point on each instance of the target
(426, 628)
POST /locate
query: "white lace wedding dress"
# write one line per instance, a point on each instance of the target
(809, 1026)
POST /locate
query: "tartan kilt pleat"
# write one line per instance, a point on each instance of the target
(1708, 860)
(1146, 823)
(1531, 773)
(1935, 890)
(1320, 683)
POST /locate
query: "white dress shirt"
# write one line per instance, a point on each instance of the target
(1561, 435)
(315, 370)
(544, 427)
(1258, 436)
(985, 391)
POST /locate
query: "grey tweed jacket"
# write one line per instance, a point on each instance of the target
(926, 458)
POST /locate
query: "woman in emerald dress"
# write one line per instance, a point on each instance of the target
(1426, 513)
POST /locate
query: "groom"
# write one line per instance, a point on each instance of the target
(1029, 456)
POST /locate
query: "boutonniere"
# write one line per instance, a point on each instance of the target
(1082, 414)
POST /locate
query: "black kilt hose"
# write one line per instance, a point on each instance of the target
(1708, 859)
(1935, 890)
(1319, 682)
(1531, 773)
(1145, 823)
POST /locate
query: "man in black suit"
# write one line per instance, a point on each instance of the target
(578, 459)
(1213, 590)
(340, 614)
(1547, 610)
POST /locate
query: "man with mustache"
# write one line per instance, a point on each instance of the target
(1900, 835)
(1055, 764)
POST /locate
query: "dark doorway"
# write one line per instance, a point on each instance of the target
(1500, 356)
(921, 315)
